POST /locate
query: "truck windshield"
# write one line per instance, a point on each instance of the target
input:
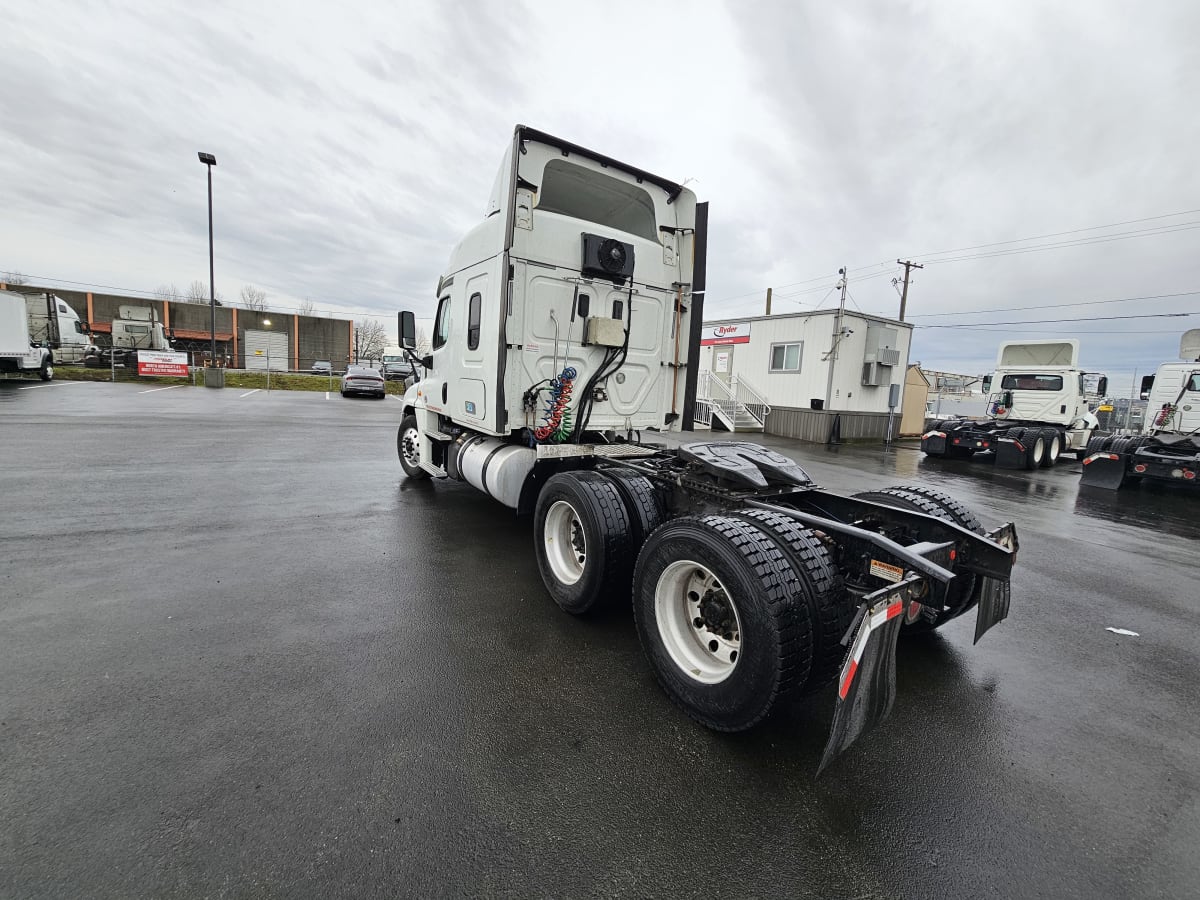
(1031, 383)
(594, 197)
(393, 359)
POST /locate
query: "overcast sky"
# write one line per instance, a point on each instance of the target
(355, 146)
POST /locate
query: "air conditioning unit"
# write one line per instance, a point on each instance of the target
(606, 258)
(881, 346)
(875, 374)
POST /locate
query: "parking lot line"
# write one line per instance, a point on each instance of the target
(34, 387)
(169, 387)
(327, 395)
(248, 393)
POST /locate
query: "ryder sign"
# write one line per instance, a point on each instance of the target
(162, 362)
(730, 333)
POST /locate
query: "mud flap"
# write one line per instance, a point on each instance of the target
(1010, 454)
(867, 683)
(1104, 470)
(934, 443)
(995, 596)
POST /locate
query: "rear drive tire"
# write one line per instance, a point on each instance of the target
(830, 608)
(1035, 448)
(753, 646)
(408, 448)
(582, 541)
(1053, 447)
(934, 503)
(643, 504)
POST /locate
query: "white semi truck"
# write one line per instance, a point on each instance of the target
(1168, 449)
(1038, 409)
(51, 333)
(135, 328)
(19, 352)
(566, 336)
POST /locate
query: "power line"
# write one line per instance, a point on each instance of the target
(1082, 242)
(1039, 237)
(971, 312)
(1049, 321)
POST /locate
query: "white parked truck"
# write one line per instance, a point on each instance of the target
(566, 334)
(50, 325)
(135, 328)
(1038, 409)
(19, 352)
(1168, 449)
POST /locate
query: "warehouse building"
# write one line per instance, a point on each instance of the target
(255, 339)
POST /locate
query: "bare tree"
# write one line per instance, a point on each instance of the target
(423, 348)
(13, 278)
(197, 292)
(168, 292)
(370, 337)
(306, 308)
(254, 298)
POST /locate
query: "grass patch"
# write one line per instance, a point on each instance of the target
(233, 379)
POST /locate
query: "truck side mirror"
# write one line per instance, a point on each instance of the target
(408, 330)
(1102, 386)
(987, 384)
(1147, 385)
(1006, 399)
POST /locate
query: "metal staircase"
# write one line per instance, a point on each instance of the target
(735, 406)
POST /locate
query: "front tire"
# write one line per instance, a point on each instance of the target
(582, 541)
(46, 372)
(408, 448)
(715, 611)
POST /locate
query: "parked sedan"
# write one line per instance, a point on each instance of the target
(361, 380)
(322, 367)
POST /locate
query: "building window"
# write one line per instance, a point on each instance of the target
(786, 357)
(473, 322)
(441, 325)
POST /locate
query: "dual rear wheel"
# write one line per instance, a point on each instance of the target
(735, 612)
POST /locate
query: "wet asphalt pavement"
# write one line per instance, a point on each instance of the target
(241, 656)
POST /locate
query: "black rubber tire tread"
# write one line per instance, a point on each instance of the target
(1031, 438)
(1050, 435)
(409, 421)
(736, 551)
(954, 510)
(830, 608)
(643, 502)
(1093, 445)
(46, 372)
(608, 571)
(933, 503)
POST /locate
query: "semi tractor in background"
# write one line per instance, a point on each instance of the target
(1168, 449)
(566, 339)
(40, 330)
(135, 328)
(19, 351)
(1038, 409)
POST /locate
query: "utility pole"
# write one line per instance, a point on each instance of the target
(768, 301)
(831, 356)
(909, 265)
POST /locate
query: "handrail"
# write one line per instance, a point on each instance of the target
(748, 397)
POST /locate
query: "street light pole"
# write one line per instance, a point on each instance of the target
(209, 161)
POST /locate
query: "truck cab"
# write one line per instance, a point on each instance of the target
(54, 324)
(1173, 405)
(564, 311)
(1040, 381)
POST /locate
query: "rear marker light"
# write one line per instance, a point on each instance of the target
(1189, 475)
(1139, 468)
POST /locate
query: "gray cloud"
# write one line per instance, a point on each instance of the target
(356, 146)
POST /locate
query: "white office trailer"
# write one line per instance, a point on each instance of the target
(794, 374)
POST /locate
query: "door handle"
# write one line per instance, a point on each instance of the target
(444, 393)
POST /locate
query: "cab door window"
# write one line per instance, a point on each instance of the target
(441, 325)
(473, 315)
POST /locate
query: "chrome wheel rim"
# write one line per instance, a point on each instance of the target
(410, 447)
(698, 622)
(566, 545)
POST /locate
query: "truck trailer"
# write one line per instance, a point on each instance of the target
(564, 356)
(1039, 412)
(19, 351)
(1168, 449)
